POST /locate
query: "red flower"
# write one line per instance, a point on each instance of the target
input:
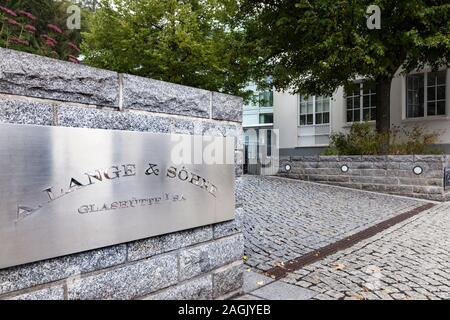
(18, 41)
(8, 11)
(27, 14)
(30, 28)
(12, 22)
(49, 39)
(55, 28)
(73, 46)
(73, 59)
(50, 43)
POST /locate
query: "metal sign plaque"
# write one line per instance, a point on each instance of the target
(67, 190)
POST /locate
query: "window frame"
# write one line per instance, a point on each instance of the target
(361, 107)
(263, 115)
(425, 75)
(314, 111)
(261, 97)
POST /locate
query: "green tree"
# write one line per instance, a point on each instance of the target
(313, 47)
(190, 42)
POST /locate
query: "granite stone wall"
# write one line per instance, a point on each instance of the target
(387, 174)
(202, 263)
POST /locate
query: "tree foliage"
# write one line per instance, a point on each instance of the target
(314, 46)
(190, 42)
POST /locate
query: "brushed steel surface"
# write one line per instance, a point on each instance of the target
(101, 189)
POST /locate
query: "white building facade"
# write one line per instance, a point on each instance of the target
(418, 99)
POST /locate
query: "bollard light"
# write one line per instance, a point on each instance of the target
(418, 170)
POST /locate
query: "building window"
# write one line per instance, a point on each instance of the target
(314, 110)
(322, 110)
(266, 99)
(266, 118)
(425, 94)
(361, 102)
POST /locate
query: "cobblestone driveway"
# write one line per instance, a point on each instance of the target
(285, 219)
(410, 260)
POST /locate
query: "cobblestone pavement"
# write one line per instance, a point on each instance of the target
(285, 219)
(410, 260)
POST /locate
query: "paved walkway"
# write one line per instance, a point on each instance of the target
(285, 219)
(407, 261)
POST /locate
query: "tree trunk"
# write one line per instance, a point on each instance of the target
(383, 118)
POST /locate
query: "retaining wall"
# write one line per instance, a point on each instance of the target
(388, 174)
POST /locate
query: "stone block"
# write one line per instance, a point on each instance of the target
(429, 158)
(374, 158)
(340, 178)
(350, 159)
(25, 111)
(329, 158)
(392, 165)
(228, 279)
(400, 173)
(428, 190)
(185, 126)
(373, 187)
(306, 158)
(164, 97)
(357, 179)
(312, 172)
(385, 180)
(344, 184)
(29, 275)
(406, 165)
(400, 189)
(69, 116)
(373, 172)
(35, 76)
(295, 170)
(433, 197)
(430, 165)
(318, 178)
(412, 181)
(52, 293)
(363, 165)
(206, 257)
(308, 165)
(329, 164)
(226, 107)
(152, 246)
(196, 289)
(406, 158)
(216, 129)
(435, 182)
(127, 282)
(230, 227)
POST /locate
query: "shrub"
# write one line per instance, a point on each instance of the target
(362, 139)
(25, 31)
